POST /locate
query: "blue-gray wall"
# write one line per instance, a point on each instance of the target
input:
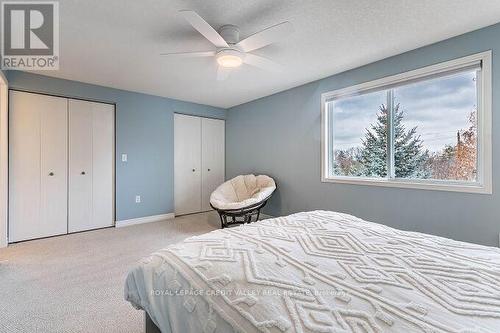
(279, 135)
(144, 131)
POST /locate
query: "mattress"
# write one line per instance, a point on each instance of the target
(319, 271)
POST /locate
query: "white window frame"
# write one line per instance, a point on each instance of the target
(483, 184)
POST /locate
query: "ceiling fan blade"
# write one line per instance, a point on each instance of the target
(266, 37)
(189, 54)
(261, 62)
(223, 73)
(203, 28)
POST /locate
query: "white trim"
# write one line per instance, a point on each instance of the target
(4, 165)
(390, 135)
(146, 219)
(416, 74)
(485, 162)
(485, 154)
(3, 79)
(413, 184)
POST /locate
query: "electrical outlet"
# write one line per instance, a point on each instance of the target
(124, 157)
(137, 199)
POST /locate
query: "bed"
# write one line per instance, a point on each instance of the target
(318, 271)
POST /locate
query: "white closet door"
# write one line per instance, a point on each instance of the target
(212, 157)
(37, 166)
(80, 166)
(187, 164)
(103, 138)
(90, 165)
(54, 148)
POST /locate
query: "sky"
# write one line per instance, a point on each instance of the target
(438, 107)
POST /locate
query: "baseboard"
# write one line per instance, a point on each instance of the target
(265, 216)
(145, 219)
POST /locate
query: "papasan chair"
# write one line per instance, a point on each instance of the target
(239, 200)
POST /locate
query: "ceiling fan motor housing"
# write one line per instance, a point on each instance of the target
(230, 33)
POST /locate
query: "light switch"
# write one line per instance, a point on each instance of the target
(124, 157)
(137, 199)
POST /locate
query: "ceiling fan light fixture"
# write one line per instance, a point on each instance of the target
(229, 58)
(232, 52)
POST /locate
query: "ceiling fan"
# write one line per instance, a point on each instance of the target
(232, 52)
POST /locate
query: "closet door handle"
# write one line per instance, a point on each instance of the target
(51, 173)
(82, 173)
(208, 169)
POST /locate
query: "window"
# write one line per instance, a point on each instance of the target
(429, 128)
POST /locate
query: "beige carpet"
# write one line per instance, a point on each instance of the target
(74, 283)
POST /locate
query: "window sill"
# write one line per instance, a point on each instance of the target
(421, 185)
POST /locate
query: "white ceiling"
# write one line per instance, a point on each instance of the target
(116, 43)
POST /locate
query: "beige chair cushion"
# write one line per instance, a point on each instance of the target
(242, 191)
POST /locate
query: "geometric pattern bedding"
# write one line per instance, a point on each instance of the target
(319, 271)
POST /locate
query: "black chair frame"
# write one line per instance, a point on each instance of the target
(248, 214)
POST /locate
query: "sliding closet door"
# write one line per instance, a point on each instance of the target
(212, 157)
(37, 166)
(91, 141)
(187, 164)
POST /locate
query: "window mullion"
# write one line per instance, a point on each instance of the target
(390, 134)
(331, 150)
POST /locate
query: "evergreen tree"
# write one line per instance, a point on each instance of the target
(409, 157)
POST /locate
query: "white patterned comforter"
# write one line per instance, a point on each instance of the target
(319, 272)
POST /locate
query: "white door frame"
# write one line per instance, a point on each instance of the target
(4, 165)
